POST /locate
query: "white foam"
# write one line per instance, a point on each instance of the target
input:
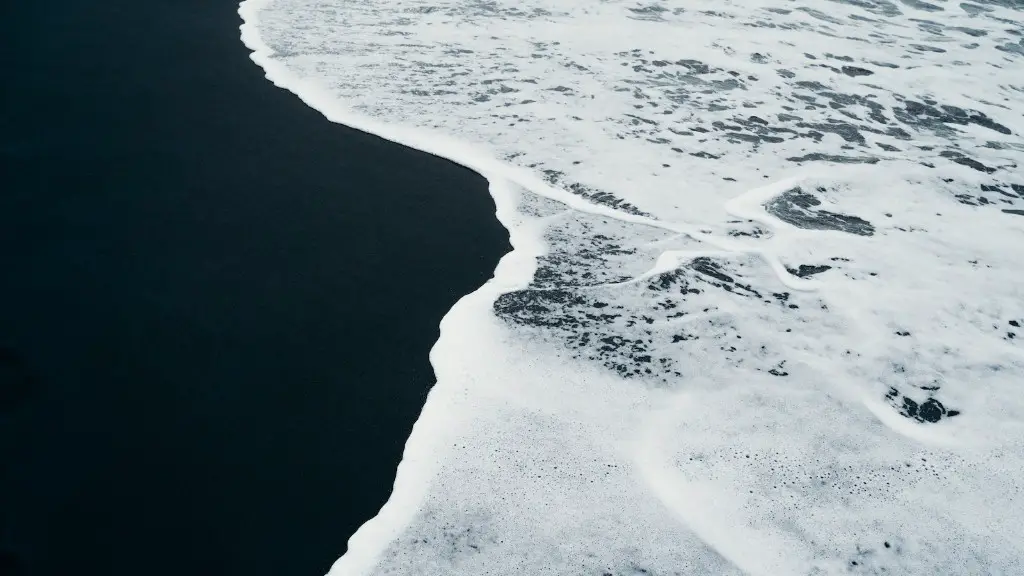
(651, 382)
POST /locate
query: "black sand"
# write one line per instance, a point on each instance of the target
(215, 306)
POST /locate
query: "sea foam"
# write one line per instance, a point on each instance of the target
(765, 308)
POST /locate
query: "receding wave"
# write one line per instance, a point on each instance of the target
(765, 309)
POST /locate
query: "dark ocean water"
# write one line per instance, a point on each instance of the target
(215, 306)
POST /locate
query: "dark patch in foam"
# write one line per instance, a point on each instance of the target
(930, 411)
(748, 229)
(650, 12)
(820, 15)
(970, 31)
(970, 200)
(559, 302)
(928, 48)
(798, 208)
(623, 339)
(959, 158)
(854, 71)
(935, 117)
(605, 199)
(596, 196)
(998, 189)
(847, 132)
(1013, 48)
(584, 325)
(808, 270)
(1012, 4)
(880, 7)
(922, 5)
(973, 9)
(817, 156)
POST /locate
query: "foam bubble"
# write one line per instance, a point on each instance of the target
(764, 310)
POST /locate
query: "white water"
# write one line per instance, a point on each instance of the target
(643, 388)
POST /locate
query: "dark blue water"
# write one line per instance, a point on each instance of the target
(215, 306)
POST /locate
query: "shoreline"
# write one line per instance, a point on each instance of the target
(219, 301)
